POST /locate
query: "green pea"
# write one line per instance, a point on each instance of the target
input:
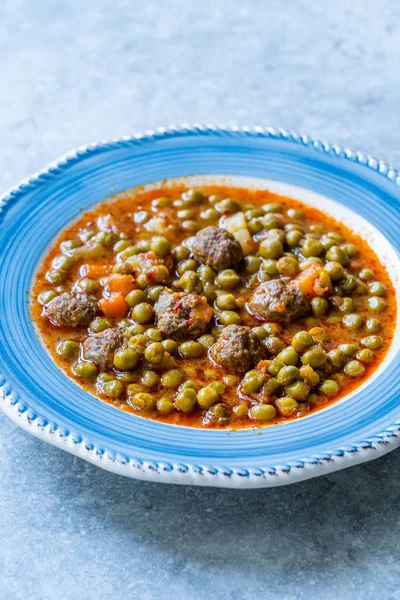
(181, 253)
(365, 355)
(192, 196)
(270, 249)
(260, 332)
(135, 297)
(274, 345)
(226, 301)
(217, 385)
(218, 414)
(100, 324)
(346, 305)
(227, 279)
(69, 246)
(272, 328)
(185, 401)
(377, 289)
(254, 226)
(298, 390)
(287, 266)
(376, 304)
(349, 283)
(366, 274)
(170, 346)
(351, 250)
(229, 317)
(153, 334)
(103, 377)
(241, 410)
(288, 356)
(275, 366)
(206, 273)
(113, 389)
(334, 270)
(191, 349)
(85, 370)
(160, 245)
(336, 358)
(319, 306)
(288, 375)
(207, 340)
(337, 254)
(308, 375)
(319, 334)
(209, 292)
(352, 321)
(263, 412)
(269, 267)
(133, 389)
(189, 281)
(360, 288)
(329, 387)
(143, 401)
(252, 383)
(150, 379)
(46, 297)
(162, 202)
(293, 238)
(165, 406)
(301, 341)
(63, 262)
(312, 247)
(227, 206)
(286, 405)
(206, 397)
(125, 359)
(106, 238)
(272, 207)
(135, 329)
(121, 245)
(315, 357)
(348, 349)
(354, 369)
(127, 253)
(294, 213)
(56, 276)
(68, 349)
(142, 312)
(335, 236)
(252, 264)
(373, 342)
(373, 325)
(189, 384)
(187, 265)
(154, 353)
(153, 293)
(172, 378)
(210, 214)
(88, 285)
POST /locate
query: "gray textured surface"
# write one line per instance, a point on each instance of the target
(73, 71)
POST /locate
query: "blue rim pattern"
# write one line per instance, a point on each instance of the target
(82, 178)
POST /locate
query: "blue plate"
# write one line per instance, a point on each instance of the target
(39, 397)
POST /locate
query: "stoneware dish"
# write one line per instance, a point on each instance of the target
(357, 189)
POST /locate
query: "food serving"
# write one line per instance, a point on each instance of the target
(214, 307)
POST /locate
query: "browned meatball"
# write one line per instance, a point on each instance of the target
(238, 349)
(276, 301)
(100, 348)
(182, 316)
(217, 248)
(71, 309)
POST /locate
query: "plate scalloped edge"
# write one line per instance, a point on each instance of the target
(204, 475)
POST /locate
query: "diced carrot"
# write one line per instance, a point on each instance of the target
(94, 270)
(121, 283)
(114, 305)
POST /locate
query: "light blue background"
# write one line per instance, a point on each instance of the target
(74, 71)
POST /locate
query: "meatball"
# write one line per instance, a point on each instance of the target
(238, 349)
(276, 301)
(100, 347)
(217, 248)
(71, 309)
(182, 316)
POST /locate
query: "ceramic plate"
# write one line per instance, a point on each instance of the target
(352, 186)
